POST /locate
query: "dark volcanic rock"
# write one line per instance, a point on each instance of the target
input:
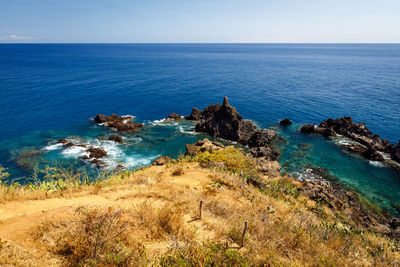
(285, 122)
(195, 115)
(116, 138)
(371, 144)
(307, 128)
(265, 152)
(123, 124)
(395, 153)
(261, 138)
(223, 121)
(66, 143)
(97, 152)
(373, 154)
(173, 116)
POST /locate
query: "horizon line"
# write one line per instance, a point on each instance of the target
(395, 43)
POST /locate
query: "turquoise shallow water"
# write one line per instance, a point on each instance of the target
(49, 92)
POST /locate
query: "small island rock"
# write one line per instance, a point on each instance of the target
(285, 122)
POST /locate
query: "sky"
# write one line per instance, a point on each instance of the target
(200, 21)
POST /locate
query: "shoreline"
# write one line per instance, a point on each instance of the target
(262, 148)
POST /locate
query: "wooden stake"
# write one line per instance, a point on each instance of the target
(201, 205)
(244, 232)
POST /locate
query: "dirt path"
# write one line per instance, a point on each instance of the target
(18, 220)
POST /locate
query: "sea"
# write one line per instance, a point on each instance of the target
(52, 91)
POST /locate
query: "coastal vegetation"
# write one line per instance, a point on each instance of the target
(196, 210)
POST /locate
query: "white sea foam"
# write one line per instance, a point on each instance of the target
(185, 131)
(53, 147)
(376, 163)
(134, 161)
(158, 122)
(75, 152)
(164, 122)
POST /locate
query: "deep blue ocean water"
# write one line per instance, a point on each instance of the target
(50, 91)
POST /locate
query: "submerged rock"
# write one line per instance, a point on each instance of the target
(285, 122)
(97, 162)
(123, 124)
(29, 159)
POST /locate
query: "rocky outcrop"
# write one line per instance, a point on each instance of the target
(202, 146)
(223, 121)
(195, 115)
(116, 138)
(285, 122)
(266, 167)
(395, 153)
(173, 116)
(122, 124)
(371, 144)
(263, 165)
(161, 160)
(339, 199)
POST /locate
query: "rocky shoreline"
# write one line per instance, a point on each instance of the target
(223, 121)
(367, 144)
(348, 203)
(323, 188)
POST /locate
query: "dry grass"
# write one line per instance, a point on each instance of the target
(151, 223)
(178, 171)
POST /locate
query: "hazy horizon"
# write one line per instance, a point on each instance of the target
(223, 21)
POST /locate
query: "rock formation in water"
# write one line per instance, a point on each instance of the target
(285, 122)
(123, 124)
(94, 153)
(223, 121)
(195, 115)
(369, 145)
(116, 138)
(173, 116)
(28, 160)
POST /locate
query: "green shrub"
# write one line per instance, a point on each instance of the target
(207, 254)
(233, 159)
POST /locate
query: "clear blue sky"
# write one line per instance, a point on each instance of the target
(200, 21)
